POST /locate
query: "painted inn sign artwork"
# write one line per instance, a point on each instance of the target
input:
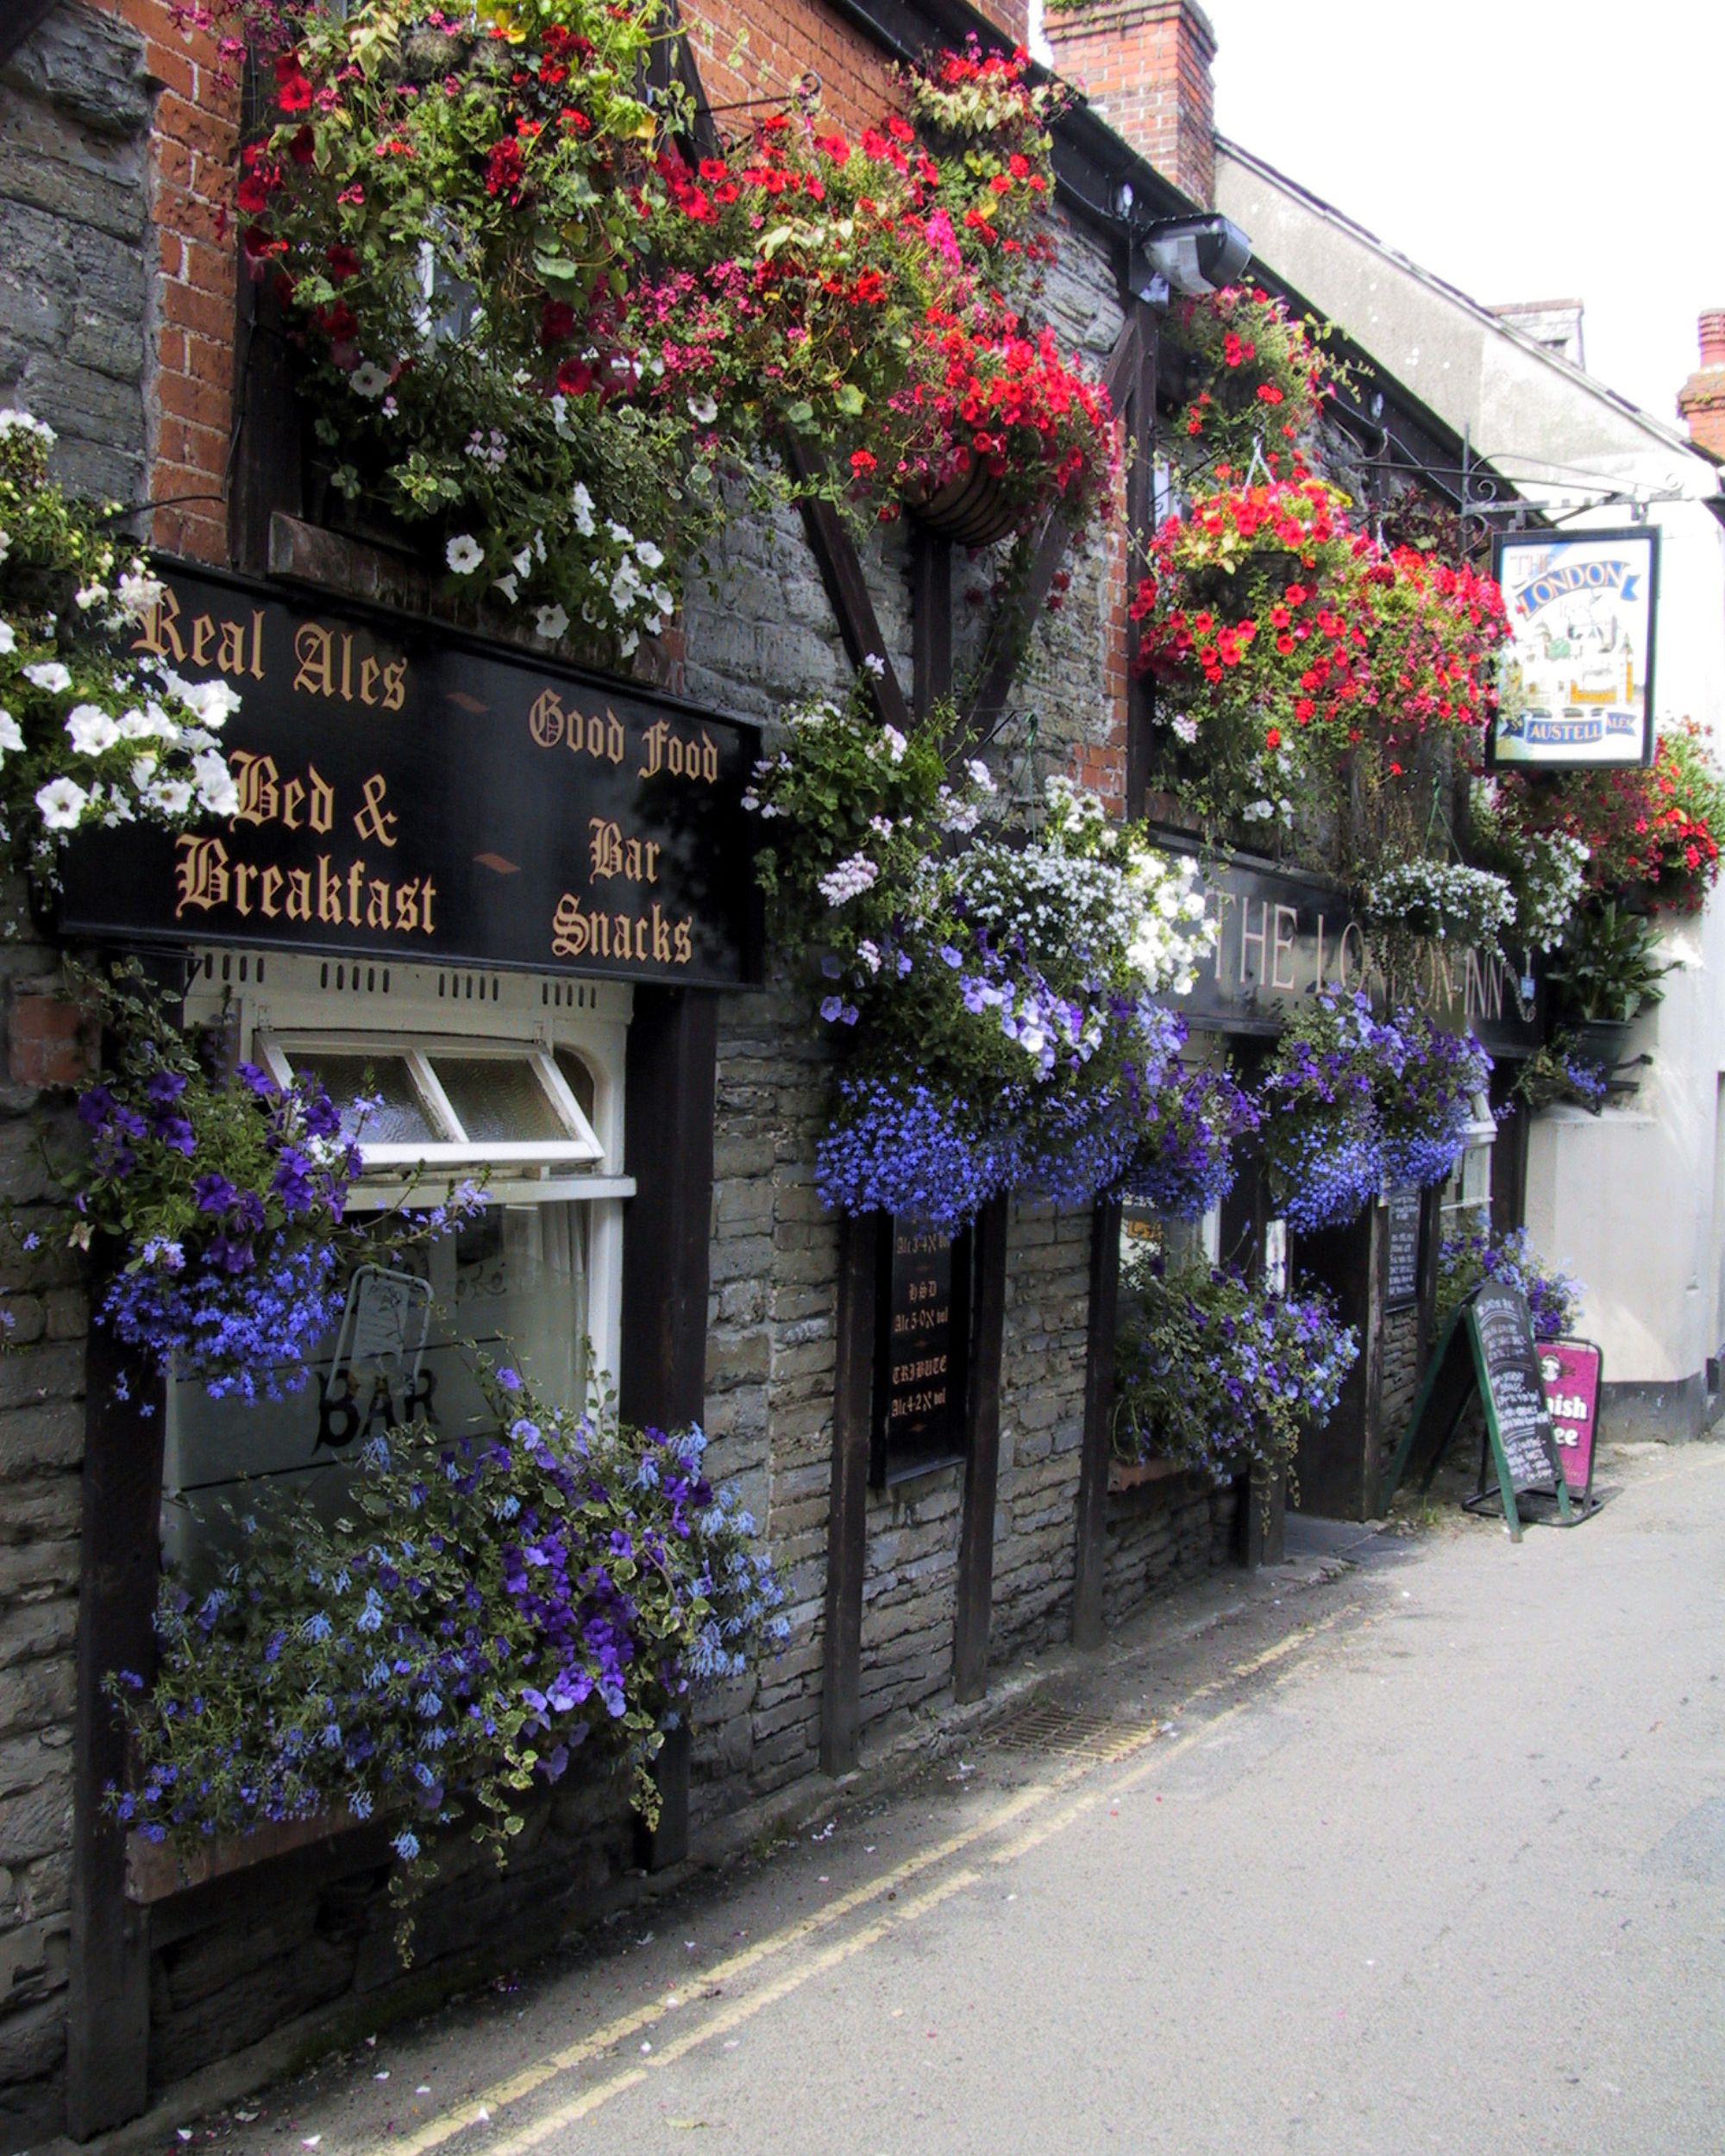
(408, 794)
(1579, 672)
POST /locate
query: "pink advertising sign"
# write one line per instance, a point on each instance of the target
(1570, 1372)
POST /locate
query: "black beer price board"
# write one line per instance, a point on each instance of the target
(921, 1351)
(1488, 1349)
(1401, 1284)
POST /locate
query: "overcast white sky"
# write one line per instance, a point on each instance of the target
(1518, 149)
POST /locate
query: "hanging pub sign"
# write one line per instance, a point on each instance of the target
(922, 1307)
(1578, 689)
(412, 795)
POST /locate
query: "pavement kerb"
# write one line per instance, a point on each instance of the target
(1207, 1606)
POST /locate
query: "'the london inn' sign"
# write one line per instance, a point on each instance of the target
(407, 793)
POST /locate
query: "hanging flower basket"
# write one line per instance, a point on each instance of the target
(972, 509)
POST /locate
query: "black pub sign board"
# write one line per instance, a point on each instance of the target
(407, 793)
(1488, 1348)
(922, 1304)
(1402, 1270)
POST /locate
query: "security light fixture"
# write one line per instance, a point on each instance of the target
(1187, 255)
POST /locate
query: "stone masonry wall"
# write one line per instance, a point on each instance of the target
(74, 114)
(137, 369)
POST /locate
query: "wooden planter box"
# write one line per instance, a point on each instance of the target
(1134, 1474)
(156, 1869)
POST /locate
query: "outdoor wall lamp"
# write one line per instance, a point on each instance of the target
(1187, 255)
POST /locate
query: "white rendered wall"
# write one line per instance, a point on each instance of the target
(1631, 1201)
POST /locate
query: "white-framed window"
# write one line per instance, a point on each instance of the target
(514, 1081)
(1466, 1200)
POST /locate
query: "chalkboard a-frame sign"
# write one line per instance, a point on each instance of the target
(1488, 1347)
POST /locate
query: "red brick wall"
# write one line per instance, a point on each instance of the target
(1145, 64)
(189, 388)
(1702, 398)
(189, 373)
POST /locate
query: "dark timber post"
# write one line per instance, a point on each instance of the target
(662, 1379)
(846, 1533)
(982, 1472)
(1140, 516)
(108, 2032)
(1090, 1565)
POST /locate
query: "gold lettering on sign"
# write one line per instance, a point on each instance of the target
(612, 854)
(201, 877)
(331, 663)
(372, 820)
(681, 757)
(234, 644)
(636, 939)
(266, 797)
(597, 733)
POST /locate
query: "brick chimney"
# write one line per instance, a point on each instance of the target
(1702, 398)
(1145, 64)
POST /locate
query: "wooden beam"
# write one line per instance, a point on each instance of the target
(982, 1473)
(108, 2026)
(673, 1058)
(930, 617)
(1140, 518)
(1090, 1562)
(988, 698)
(847, 588)
(847, 1531)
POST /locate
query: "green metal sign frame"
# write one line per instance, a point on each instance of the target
(1437, 1370)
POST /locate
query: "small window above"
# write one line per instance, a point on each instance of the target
(445, 1104)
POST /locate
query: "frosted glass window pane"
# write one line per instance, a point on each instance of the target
(578, 1078)
(400, 1120)
(499, 1100)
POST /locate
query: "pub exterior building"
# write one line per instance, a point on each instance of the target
(513, 897)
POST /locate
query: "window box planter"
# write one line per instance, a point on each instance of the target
(155, 1871)
(1124, 1475)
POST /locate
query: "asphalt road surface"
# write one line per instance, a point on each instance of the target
(1421, 1848)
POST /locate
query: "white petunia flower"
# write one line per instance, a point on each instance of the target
(648, 555)
(49, 675)
(88, 595)
(5, 544)
(11, 735)
(621, 535)
(523, 563)
(628, 643)
(368, 380)
(171, 796)
(508, 586)
(213, 703)
(140, 594)
(62, 802)
(91, 729)
(9, 637)
(582, 503)
(703, 410)
(215, 789)
(464, 554)
(143, 770)
(551, 621)
(12, 421)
